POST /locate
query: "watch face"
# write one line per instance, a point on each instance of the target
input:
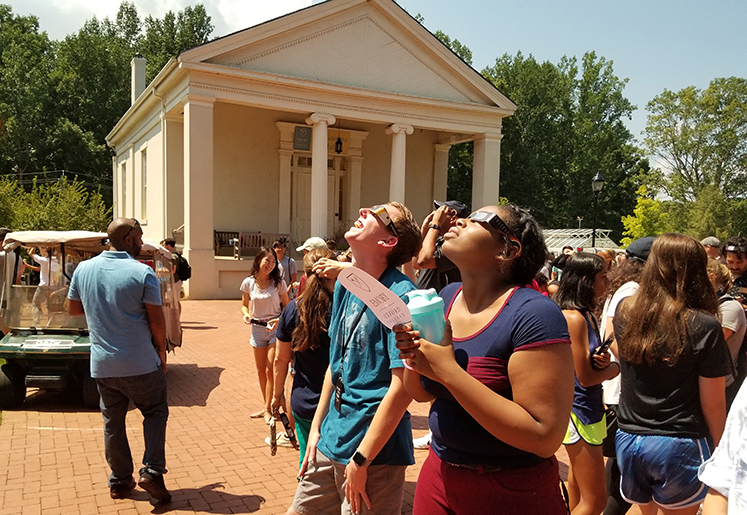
(359, 459)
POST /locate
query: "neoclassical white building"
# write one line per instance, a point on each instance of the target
(239, 134)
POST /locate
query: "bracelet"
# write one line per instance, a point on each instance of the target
(435, 226)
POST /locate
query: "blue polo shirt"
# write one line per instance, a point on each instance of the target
(114, 289)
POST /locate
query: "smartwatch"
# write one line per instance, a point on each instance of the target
(360, 459)
(435, 226)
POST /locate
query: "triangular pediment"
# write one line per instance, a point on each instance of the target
(362, 47)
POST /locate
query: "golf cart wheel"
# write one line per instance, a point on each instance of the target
(12, 386)
(90, 392)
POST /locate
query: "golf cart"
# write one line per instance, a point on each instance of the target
(47, 348)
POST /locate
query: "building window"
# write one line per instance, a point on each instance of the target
(144, 182)
(123, 170)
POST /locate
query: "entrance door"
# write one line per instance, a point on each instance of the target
(301, 197)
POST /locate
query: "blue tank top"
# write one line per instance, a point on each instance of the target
(587, 401)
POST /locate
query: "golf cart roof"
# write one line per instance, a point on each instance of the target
(85, 241)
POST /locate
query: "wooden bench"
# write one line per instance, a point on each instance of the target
(223, 239)
(253, 241)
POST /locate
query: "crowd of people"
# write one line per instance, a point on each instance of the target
(634, 356)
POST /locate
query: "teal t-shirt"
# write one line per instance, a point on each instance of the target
(370, 352)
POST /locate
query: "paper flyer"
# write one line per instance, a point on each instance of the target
(385, 304)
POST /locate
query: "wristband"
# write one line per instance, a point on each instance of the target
(435, 226)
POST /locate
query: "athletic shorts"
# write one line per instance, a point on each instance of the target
(445, 489)
(261, 337)
(663, 469)
(593, 434)
(322, 489)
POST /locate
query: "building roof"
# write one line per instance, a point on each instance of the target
(556, 239)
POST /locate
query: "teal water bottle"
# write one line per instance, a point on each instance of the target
(427, 310)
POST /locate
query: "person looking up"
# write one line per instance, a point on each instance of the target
(501, 380)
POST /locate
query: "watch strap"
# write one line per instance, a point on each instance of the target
(435, 226)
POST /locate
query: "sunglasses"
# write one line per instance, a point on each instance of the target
(496, 223)
(382, 214)
(734, 248)
(135, 223)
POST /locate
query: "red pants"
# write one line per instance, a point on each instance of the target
(449, 490)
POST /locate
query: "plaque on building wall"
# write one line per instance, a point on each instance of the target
(302, 138)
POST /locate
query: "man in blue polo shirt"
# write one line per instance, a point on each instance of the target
(121, 299)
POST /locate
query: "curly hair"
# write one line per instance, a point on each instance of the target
(576, 289)
(313, 304)
(674, 285)
(738, 242)
(275, 274)
(722, 274)
(628, 270)
(533, 248)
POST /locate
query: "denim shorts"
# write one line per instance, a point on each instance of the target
(261, 337)
(663, 469)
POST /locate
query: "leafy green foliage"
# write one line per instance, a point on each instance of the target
(59, 100)
(60, 205)
(649, 218)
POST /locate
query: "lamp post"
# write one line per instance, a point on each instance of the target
(597, 183)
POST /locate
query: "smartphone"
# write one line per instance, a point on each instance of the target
(605, 346)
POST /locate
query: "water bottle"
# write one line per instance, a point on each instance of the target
(427, 310)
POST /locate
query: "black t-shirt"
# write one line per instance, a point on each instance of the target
(445, 272)
(310, 365)
(664, 400)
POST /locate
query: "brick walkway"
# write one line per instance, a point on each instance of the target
(52, 453)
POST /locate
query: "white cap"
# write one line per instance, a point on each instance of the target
(315, 242)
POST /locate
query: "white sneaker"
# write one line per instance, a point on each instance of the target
(423, 442)
(282, 441)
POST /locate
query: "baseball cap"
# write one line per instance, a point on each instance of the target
(710, 241)
(640, 248)
(314, 242)
(460, 208)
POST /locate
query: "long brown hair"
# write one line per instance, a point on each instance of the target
(674, 285)
(313, 304)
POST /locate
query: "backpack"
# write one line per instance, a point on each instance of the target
(183, 270)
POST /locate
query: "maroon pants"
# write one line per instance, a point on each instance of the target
(449, 490)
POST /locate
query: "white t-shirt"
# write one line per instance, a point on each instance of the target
(611, 387)
(265, 303)
(733, 317)
(726, 470)
(47, 268)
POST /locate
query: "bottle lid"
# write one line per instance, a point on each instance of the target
(424, 301)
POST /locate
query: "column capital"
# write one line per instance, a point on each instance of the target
(285, 152)
(488, 136)
(320, 117)
(201, 100)
(442, 147)
(396, 128)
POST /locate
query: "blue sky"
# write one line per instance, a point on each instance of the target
(656, 44)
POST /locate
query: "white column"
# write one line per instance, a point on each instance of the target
(319, 215)
(486, 170)
(355, 174)
(198, 194)
(284, 191)
(399, 132)
(440, 170)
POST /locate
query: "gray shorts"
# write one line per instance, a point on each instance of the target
(321, 491)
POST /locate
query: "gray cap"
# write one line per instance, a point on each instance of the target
(710, 241)
(459, 207)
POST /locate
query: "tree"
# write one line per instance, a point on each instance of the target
(701, 137)
(174, 34)
(60, 206)
(26, 60)
(567, 127)
(649, 218)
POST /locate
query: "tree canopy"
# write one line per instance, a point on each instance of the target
(59, 100)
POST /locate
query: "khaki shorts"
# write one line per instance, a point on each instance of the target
(322, 489)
